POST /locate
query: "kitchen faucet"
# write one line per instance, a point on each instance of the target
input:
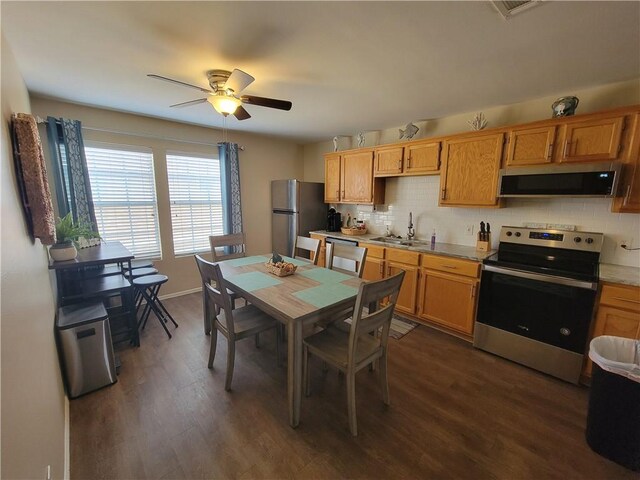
(410, 231)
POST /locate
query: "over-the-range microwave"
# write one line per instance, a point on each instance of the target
(584, 180)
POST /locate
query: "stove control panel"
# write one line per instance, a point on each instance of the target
(586, 241)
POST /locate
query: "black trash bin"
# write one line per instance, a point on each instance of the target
(613, 421)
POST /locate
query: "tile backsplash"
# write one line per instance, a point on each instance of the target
(420, 196)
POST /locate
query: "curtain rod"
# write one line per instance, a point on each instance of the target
(143, 135)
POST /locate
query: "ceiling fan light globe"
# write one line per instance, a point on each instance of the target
(223, 104)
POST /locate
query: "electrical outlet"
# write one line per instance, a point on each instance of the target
(469, 229)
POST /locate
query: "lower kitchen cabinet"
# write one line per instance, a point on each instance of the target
(403, 260)
(448, 300)
(323, 249)
(374, 266)
(448, 292)
(618, 315)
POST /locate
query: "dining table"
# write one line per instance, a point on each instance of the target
(311, 294)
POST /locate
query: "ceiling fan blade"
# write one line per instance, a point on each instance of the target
(238, 81)
(189, 103)
(241, 113)
(184, 84)
(267, 102)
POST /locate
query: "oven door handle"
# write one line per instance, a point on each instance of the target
(541, 277)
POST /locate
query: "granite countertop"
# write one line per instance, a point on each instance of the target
(445, 249)
(620, 274)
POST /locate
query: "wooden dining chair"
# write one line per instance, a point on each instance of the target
(226, 247)
(352, 350)
(311, 245)
(358, 255)
(235, 325)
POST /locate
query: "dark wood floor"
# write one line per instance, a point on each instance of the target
(456, 413)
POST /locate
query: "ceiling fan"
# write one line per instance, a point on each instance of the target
(223, 95)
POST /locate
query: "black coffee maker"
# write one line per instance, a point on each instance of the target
(334, 221)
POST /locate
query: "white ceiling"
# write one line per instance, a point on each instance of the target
(346, 66)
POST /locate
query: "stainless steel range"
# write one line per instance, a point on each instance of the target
(537, 296)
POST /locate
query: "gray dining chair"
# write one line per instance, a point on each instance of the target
(226, 247)
(353, 254)
(362, 344)
(234, 324)
(309, 245)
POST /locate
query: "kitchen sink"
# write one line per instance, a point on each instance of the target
(400, 241)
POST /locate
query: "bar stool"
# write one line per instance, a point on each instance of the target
(139, 272)
(149, 286)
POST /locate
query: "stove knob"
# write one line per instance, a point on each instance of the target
(509, 233)
(577, 239)
(588, 240)
(518, 234)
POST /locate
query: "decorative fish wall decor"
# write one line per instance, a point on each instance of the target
(409, 131)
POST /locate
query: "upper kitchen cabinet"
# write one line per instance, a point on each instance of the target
(628, 199)
(332, 178)
(349, 178)
(415, 158)
(591, 140)
(469, 174)
(388, 161)
(530, 146)
(422, 158)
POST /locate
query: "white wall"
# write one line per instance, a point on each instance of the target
(33, 401)
(264, 159)
(420, 194)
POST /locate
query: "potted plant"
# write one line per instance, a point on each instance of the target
(67, 233)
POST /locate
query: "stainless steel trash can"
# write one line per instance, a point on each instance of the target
(86, 350)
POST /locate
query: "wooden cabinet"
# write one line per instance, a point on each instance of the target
(349, 178)
(404, 260)
(591, 140)
(530, 146)
(388, 161)
(422, 158)
(332, 184)
(323, 249)
(469, 175)
(628, 199)
(448, 292)
(618, 314)
(415, 158)
(375, 266)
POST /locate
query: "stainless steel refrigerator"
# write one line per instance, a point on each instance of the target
(296, 209)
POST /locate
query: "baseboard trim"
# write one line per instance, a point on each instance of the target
(67, 440)
(180, 294)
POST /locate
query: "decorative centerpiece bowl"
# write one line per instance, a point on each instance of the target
(278, 267)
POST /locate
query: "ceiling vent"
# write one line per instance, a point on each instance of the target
(508, 9)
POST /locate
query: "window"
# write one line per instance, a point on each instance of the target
(196, 201)
(124, 197)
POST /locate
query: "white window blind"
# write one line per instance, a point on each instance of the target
(124, 197)
(196, 201)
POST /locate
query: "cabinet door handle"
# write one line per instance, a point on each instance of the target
(389, 270)
(566, 147)
(450, 266)
(625, 300)
(627, 194)
(473, 291)
(381, 269)
(550, 150)
(337, 193)
(400, 164)
(409, 162)
(444, 194)
(343, 194)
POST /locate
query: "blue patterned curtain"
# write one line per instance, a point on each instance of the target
(70, 169)
(230, 180)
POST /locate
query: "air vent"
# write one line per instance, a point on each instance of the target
(509, 9)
